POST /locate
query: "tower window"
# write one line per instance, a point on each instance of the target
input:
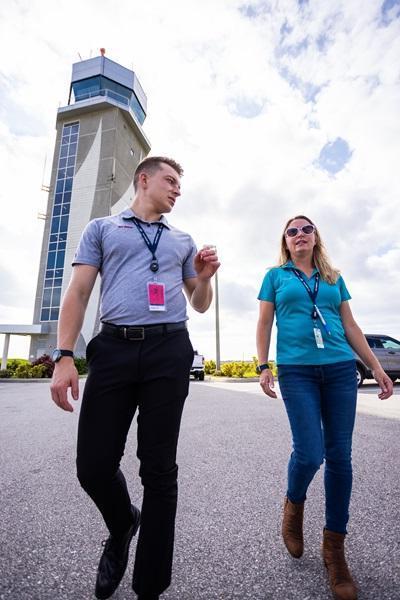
(102, 86)
(59, 223)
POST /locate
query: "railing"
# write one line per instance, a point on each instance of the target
(114, 95)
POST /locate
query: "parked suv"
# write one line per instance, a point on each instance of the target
(387, 351)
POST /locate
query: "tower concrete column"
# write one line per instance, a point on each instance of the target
(5, 351)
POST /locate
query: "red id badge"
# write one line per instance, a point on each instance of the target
(156, 295)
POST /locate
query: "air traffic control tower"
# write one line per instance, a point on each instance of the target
(99, 143)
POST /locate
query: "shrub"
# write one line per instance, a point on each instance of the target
(5, 373)
(39, 371)
(81, 365)
(209, 367)
(227, 369)
(14, 363)
(239, 368)
(23, 371)
(273, 367)
(46, 361)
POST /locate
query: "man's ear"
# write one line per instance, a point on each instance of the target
(143, 178)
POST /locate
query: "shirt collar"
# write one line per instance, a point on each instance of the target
(128, 215)
(290, 265)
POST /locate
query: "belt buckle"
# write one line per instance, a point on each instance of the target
(134, 333)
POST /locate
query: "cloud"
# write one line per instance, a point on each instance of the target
(238, 298)
(261, 102)
(11, 292)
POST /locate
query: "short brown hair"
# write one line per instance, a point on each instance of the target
(152, 164)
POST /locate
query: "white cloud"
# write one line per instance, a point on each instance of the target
(246, 100)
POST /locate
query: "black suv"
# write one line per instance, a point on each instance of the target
(387, 351)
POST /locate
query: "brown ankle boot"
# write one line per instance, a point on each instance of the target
(292, 527)
(340, 579)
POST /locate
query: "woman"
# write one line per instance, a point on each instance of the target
(317, 378)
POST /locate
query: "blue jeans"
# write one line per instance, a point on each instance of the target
(321, 404)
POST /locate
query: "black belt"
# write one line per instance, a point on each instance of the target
(140, 332)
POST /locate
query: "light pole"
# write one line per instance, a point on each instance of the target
(218, 358)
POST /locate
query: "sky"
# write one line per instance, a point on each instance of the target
(274, 108)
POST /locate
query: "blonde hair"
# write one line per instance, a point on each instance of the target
(320, 256)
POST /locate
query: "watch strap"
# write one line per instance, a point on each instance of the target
(262, 367)
(58, 353)
(66, 352)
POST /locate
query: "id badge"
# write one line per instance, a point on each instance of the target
(156, 296)
(318, 338)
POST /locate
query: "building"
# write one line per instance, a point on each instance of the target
(99, 143)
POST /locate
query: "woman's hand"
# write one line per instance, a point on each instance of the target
(384, 382)
(267, 383)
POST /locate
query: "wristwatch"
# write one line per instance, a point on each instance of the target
(260, 368)
(58, 354)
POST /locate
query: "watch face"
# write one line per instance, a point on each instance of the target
(56, 355)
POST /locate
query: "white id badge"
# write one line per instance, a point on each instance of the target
(318, 338)
(156, 296)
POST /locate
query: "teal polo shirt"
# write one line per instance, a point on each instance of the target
(296, 343)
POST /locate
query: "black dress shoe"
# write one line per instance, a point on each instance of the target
(114, 559)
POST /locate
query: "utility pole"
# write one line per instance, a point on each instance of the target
(218, 358)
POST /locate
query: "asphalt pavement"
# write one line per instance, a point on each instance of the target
(232, 459)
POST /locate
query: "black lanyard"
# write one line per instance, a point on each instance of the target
(312, 293)
(152, 246)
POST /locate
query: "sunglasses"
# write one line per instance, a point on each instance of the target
(293, 231)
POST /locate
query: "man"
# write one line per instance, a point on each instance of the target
(140, 360)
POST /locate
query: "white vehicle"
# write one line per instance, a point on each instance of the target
(197, 369)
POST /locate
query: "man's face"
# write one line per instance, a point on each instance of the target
(162, 188)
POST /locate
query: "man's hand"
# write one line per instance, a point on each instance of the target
(384, 382)
(267, 383)
(65, 376)
(206, 262)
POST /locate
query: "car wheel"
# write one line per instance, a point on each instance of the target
(393, 378)
(360, 376)
(201, 376)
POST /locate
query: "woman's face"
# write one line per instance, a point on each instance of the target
(300, 243)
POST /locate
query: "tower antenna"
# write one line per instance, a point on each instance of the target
(44, 188)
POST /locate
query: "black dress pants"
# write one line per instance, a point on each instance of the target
(151, 375)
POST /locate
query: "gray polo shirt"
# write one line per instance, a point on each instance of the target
(115, 246)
